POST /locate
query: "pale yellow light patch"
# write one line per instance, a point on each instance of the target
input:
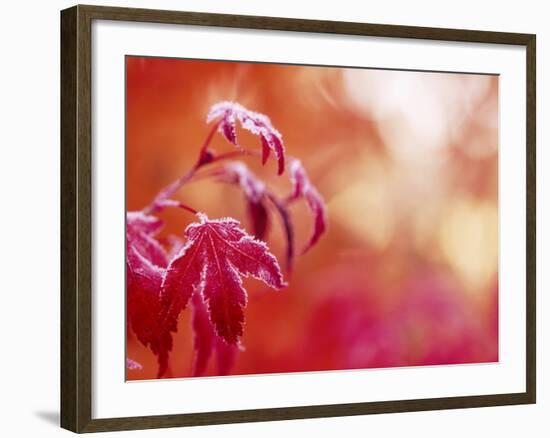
(468, 238)
(364, 208)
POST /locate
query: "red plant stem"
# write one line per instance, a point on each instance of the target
(208, 139)
(289, 233)
(173, 187)
(166, 193)
(186, 207)
(292, 197)
(178, 204)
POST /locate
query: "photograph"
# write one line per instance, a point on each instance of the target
(252, 219)
(285, 218)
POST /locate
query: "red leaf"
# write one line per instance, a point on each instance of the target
(216, 255)
(258, 124)
(265, 150)
(302, 188)
(146, 261)
(143, 280)
(140, 229)
(254, 191)
(182, 276)
(206, 341)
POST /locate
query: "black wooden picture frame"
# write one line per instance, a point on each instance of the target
(76, 217)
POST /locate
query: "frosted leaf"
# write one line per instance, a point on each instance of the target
(228, 113)
(143, 222)
(302, 188)
(143, 280)
(140, 231)
(215, 257)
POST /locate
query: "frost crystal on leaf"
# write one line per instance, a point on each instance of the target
(302, 188)
(216, 255)
(133, 365)
(140, 221)
(227, 114)
(140, 229)
(175, 245)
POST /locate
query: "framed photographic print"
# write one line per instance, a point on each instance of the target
(268, 218)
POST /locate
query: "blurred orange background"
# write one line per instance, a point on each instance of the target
(407, 162)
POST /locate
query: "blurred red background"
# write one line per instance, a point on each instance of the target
(407, 163)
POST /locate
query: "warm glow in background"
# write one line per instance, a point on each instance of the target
(407, 163)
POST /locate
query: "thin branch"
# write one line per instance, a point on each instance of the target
(287, 226)
(169, 190)
(173, 203)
